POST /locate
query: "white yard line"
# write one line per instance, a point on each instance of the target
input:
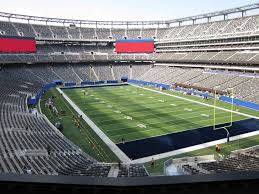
(239, 113)
(98, 116)
(188, 129)
(168, 122)
(116, 150)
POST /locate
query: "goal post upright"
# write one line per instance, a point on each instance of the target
(231, 111)
(232, 106)
(215, 104)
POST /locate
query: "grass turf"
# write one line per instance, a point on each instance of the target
(111, 108)
(133, 113)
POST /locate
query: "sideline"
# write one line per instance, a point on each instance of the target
(179, 97)
(115, 149)
(196, 147)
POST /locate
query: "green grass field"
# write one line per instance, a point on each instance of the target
(111, 108)
(133, 113)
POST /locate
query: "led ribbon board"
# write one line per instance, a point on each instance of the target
(134, 46)
(17, 44)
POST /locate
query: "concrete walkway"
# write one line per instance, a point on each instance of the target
(115, 149)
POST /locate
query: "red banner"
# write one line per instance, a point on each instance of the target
(13, 44)
(132, 46)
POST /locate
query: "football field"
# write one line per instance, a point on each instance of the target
(131, 113)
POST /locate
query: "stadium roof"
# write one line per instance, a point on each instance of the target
(242, 9)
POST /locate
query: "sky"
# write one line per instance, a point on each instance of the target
(118, 9)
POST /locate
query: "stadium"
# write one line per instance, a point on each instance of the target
(130, 106)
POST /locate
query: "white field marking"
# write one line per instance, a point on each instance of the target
(117, 111)
(145, 111)
(125, 94)
(128, 117)
(160, 134)
(141, 94)
(134, 96)
(172, 112)
(116, 150)
(173, 104)
(188, 109)
(118, 129)
(201, 111)
(154, 115)
(178, 104)
(96, 98)
(193, 148)
(161, 101)
(109, 106)
(239, 113)
(150, 97)
(205, 115)
(166, 109)
(154, 129)
(142, 126)
(158, 105)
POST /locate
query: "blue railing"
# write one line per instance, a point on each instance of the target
(112, 81)
(34, 99)
(70, 84)
(193, 91)
(166, 86)
(243, 103)
(239, 102)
